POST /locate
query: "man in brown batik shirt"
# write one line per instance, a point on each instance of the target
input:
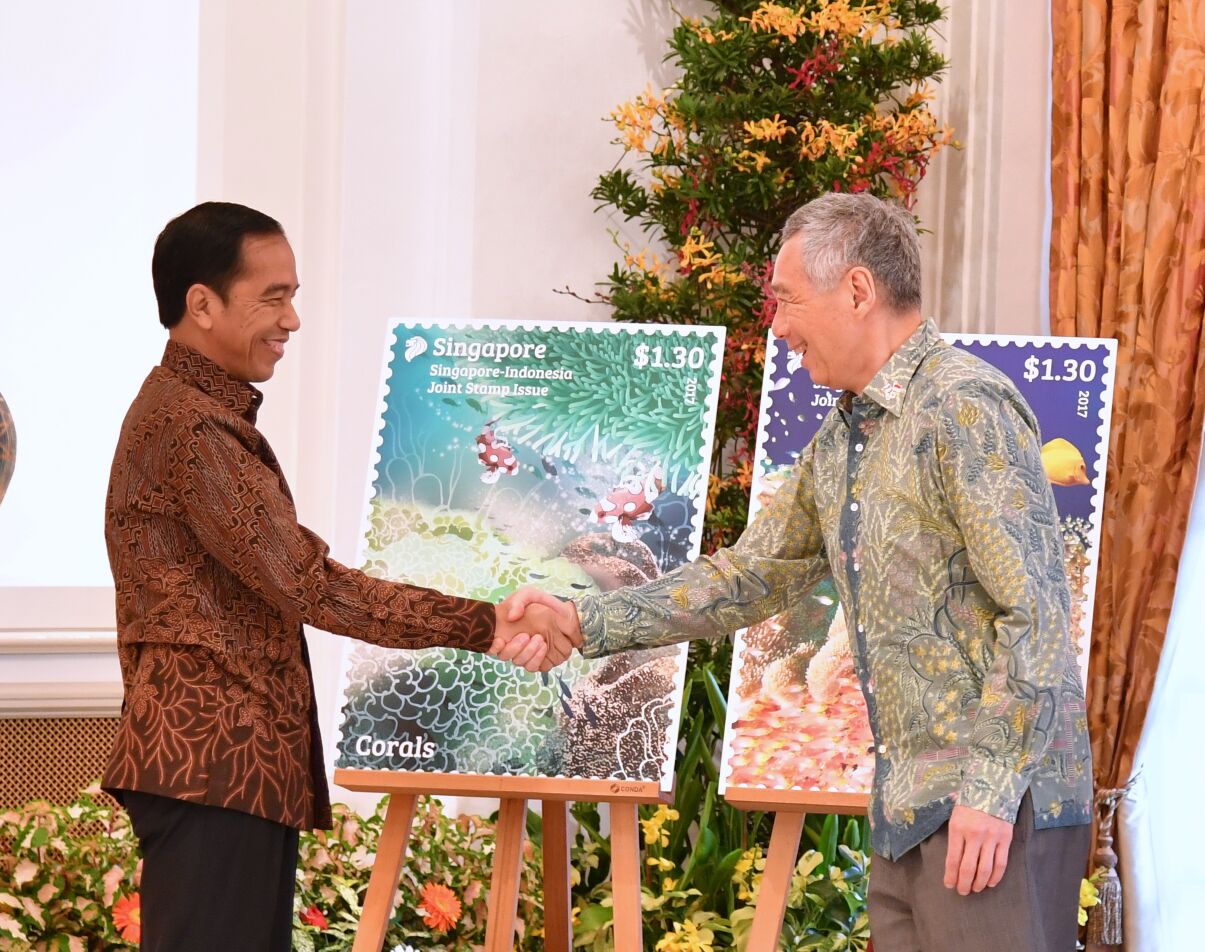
(217, 755)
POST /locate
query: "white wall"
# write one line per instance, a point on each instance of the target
(984, 205)
(98, 108)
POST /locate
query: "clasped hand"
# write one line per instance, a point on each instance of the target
(535, 630)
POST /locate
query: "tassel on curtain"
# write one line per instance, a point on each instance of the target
(1104, 919)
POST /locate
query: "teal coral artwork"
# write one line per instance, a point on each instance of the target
(573, 457)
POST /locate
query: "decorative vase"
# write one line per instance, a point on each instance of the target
(8, 446)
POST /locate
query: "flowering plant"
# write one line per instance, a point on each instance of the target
(699, 894)
(775, 104)
(441, 898)
(69, 877)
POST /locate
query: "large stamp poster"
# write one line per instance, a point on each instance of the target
(573, 457)
(796, 716)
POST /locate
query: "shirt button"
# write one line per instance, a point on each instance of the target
(858, 448)
(853, 507)
(861, 629)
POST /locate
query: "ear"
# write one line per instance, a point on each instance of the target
(863, 294)
(200, 306)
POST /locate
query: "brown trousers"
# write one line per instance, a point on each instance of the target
(1033, 909)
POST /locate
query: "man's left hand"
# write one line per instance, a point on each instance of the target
(978, 852)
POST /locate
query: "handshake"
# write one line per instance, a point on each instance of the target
(535, 630)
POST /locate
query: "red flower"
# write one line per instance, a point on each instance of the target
(314, 917)
(127, 917)
(440, 908)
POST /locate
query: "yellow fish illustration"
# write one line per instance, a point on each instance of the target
(1064, 464)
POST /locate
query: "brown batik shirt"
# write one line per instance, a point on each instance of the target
(214, 578)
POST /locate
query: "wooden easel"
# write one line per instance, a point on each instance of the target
(555, 793)
(790, 808)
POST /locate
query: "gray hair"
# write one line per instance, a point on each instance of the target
(843, 230)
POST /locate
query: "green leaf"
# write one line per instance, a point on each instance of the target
(719, 706)
(594, 917)
(721, 875)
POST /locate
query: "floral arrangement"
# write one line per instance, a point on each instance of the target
(698, 897)
(441, 902)
(69, 879)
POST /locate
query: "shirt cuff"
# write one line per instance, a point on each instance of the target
(993, 789)
(593, 623)
(481, 620)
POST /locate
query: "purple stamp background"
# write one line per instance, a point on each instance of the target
(793, 419)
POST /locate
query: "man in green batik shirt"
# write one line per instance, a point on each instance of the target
(923, 494)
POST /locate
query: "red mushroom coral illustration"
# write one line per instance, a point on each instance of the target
(628, 503)
(495, 455)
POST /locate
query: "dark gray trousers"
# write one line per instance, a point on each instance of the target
(1033, 909)
(213, 880)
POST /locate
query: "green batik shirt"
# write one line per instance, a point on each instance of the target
(925, 498)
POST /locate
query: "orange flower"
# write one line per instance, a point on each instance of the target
(440, 908)
(314, 917)
(127, 917)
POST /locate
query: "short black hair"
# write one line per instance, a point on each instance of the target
(203, 246)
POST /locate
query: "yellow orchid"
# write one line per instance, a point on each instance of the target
(721, 275)
(1089, 896)
(634, 119)
(654, 826)
(766, 130)
(689, 936)
(697, 251)
(748, 161)
(705, 33)
(840, 19)
(824, 136)
(775, 18)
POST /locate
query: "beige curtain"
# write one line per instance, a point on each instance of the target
(1127, 260)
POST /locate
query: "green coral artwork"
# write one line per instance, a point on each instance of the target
(573, 457)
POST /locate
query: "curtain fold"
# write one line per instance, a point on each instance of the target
(1127, 260)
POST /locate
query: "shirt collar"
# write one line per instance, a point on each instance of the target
(199, 371)
(888, 387)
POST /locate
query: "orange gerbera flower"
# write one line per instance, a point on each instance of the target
(127, 917)
(440, 908)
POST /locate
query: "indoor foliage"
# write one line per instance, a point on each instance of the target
(69, 880)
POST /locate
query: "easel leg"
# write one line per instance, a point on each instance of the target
(504, 883)
(625, 877)
(382, 885)
(558, 928)
(776, 883)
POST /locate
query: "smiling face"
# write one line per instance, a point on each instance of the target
(246, 333)
(821, 327)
